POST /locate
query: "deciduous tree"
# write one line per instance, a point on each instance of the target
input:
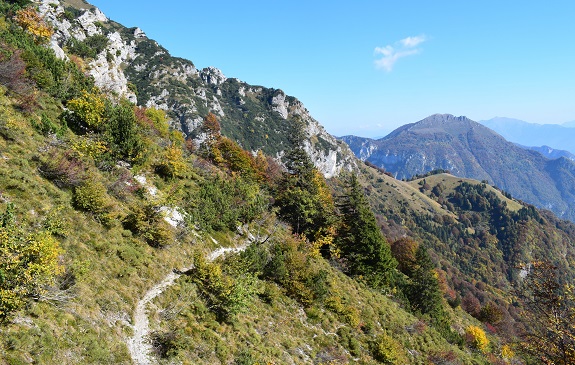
(28, 261)
(550, 315)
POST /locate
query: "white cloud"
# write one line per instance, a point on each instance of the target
(411, 42)
(402, 48)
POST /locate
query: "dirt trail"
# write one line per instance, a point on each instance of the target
(139, 344)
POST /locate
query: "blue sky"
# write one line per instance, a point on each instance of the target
(367, 67)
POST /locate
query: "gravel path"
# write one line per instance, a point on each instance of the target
(139, 345)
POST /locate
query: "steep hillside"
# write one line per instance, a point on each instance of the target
(468, 149)
(122, 242)
(126, 62)
(478, 236)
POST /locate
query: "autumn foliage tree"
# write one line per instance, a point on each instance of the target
(404, 250)
(87, 111)
(28, 262)
(212, 134)
(549, 312)
(29, 19)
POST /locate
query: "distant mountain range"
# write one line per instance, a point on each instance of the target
(531, 134)
(550, 152)
(469, 149)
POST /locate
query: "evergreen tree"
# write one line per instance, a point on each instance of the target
(361, 242)
(425, 296)
(123, 132)
(302, 193)
(424, 293)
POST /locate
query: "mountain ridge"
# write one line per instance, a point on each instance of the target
(558, 136)
(131, 64)
(469, 149)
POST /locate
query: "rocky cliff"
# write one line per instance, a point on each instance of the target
(133, 66)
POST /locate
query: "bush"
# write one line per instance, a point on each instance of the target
(292, 267)
(27, 263)
(172, 163)
(149, 223)
(387, 350)
(87, 147)
(224, 203)
(91, 196)
(159, 121)
(89, 47)
(476, 338)
(225, 296)
(124, 133)
(87, 111)
(64, 169)
(491, 313)
(29, 19)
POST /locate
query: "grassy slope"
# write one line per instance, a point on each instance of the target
(88, 319)
(85, 317)
(450, 182)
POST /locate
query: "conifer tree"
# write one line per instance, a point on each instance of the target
(123, 131)
(425, 296)
(302, 193)
(424, 293)
(361, 242)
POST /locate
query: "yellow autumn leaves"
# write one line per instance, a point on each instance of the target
(28, 262)
(29, 19)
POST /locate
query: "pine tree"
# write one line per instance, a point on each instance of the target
(425, 296)
(361, 242)
(424, 293)
(302, 193)
(123, 131)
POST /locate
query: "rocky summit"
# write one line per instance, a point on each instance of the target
(129, 63)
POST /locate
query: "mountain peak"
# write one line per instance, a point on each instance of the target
(443, 119)
(447, 124)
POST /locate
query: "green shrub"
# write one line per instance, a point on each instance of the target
(89, 47)
(226, 296)
(388, 350)
(91, 196)
(148, 222)
(224, 203)
(293, 268)
(124, 133)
